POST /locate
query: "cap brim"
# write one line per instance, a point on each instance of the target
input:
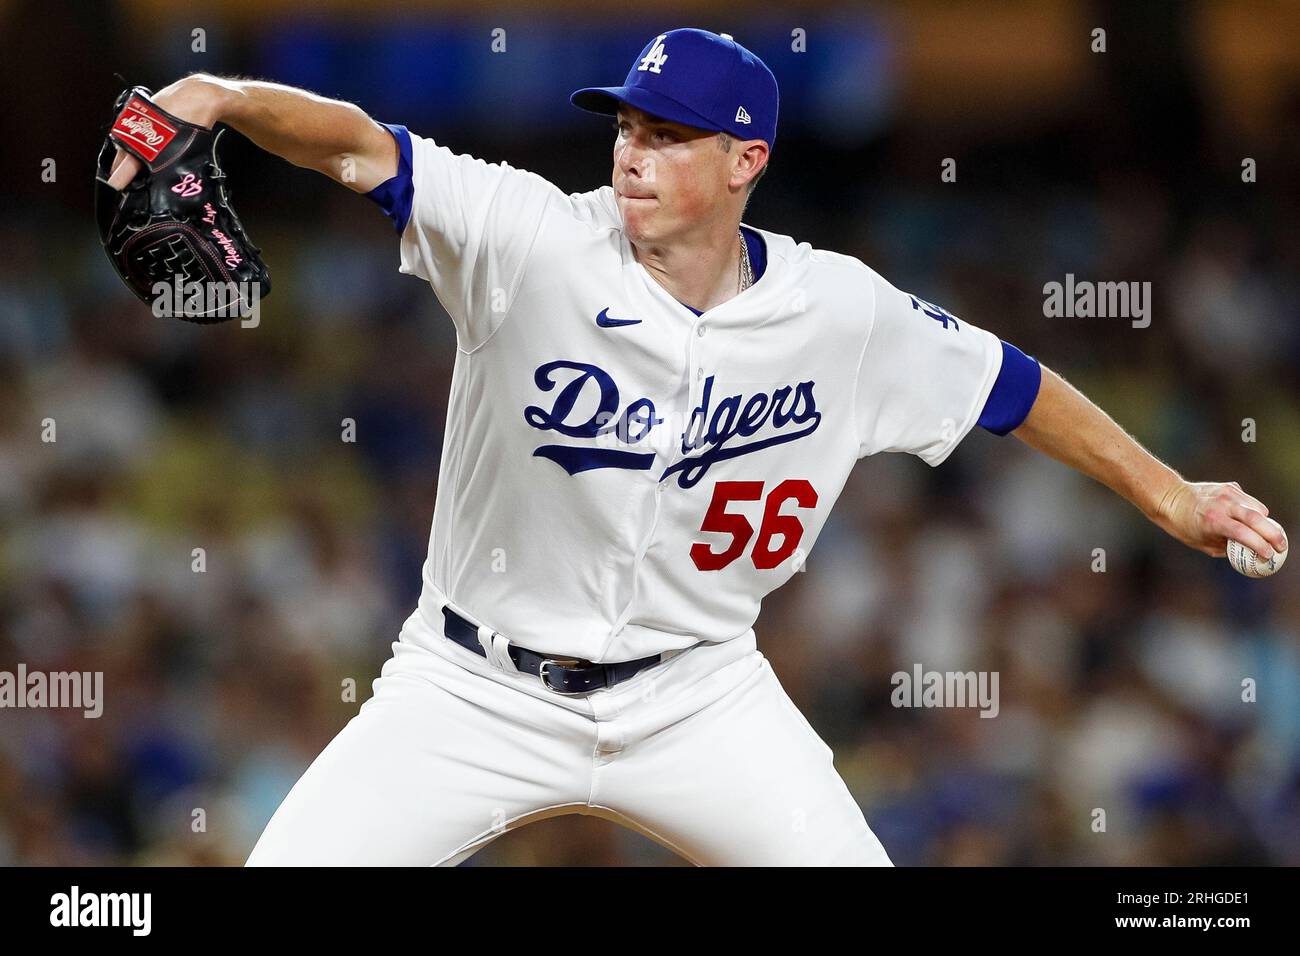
(606, 100)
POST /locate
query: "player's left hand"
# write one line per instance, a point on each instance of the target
(1205, 514)
(192, 98)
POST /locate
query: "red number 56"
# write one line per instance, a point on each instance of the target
(764, 556)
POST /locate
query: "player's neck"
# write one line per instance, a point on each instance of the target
(702, 273)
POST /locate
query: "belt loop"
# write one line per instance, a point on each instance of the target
(494, 648)
(502, 649)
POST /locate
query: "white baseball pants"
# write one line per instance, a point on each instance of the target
(704, 753)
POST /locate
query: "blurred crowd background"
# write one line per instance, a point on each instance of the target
(1120, 689)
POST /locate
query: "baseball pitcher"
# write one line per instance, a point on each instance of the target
(653, 410)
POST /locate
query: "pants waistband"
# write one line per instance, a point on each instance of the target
(558, 674)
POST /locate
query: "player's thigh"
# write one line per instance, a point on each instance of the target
(417, 777)
(745, 781)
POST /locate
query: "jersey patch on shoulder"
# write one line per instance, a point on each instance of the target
(938, 313)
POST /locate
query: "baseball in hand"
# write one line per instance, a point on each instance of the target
(1245, 561)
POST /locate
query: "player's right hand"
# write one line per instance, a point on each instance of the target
(192, 99)
(1206, 515)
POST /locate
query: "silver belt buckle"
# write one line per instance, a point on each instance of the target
(541, 673)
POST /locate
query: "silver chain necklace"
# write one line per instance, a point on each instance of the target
(746, 269)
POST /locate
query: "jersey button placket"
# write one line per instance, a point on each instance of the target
(695, 360)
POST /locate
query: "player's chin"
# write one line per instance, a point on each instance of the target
(640, 220)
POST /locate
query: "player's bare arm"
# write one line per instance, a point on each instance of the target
(1204, 515)
(329, 136)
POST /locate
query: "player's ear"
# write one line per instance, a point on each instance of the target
(751, 160)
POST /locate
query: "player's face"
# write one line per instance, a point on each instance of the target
(667, 176)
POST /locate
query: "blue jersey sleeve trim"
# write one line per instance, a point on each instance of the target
(396, 195)
(1013, 393)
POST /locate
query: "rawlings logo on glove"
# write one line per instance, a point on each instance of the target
(143, 128)
(171, 233)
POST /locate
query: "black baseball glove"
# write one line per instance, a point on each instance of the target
(172, 234)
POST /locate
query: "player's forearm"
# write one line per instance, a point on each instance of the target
(1064, 424)
(330, 136)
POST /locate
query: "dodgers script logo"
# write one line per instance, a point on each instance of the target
(714, 432)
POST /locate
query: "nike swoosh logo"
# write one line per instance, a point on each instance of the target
(605, 322)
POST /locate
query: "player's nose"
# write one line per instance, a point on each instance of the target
(631, 160)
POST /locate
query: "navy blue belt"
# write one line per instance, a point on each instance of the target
(559, 675)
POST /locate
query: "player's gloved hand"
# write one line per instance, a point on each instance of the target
(164, 212)
(189, 99)
(1205, 514)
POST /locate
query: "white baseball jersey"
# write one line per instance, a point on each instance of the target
(621, 477)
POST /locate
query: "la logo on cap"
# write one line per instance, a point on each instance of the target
(655, 58)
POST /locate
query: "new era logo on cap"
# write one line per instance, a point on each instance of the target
(742, 116)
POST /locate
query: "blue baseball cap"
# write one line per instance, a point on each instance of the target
(696, 78)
